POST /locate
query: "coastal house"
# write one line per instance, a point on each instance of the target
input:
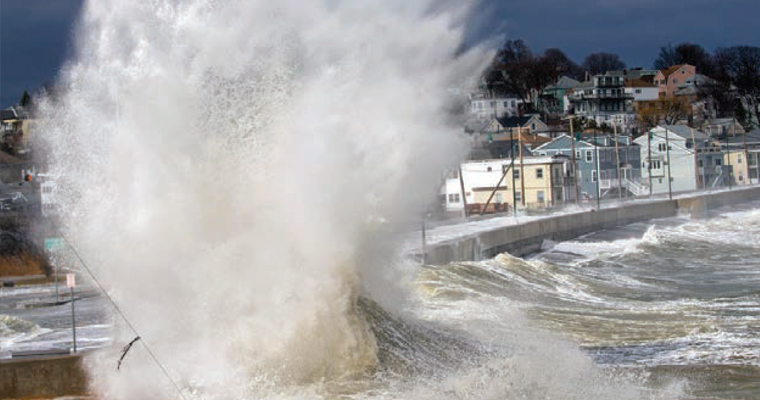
(604, 168)
(603, 99)
(507, 145)
(670, 79)
(15, 124)
(676, 158)
(742, 156)
(484, 105)
(640, 90)
(534, 182)
(529, 124)
(554, 97)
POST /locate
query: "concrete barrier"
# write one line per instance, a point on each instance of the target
(527, 238)
(42, 377)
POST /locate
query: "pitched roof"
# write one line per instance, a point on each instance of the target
(752, 138)
(639, 83)
(14, 112)
(7, 114)
(684, 131)
(672, 69)
(513, 122)
(565, 82)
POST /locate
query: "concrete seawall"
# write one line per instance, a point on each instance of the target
(527, 238)
(43, 377)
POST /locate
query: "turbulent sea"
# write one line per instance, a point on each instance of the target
(664, 309)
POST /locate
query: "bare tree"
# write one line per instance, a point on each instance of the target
(739, 66)
(515, 70)
(599, 63)
(686, 53)
(562, 64)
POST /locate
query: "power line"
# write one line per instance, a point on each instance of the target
(124, 317)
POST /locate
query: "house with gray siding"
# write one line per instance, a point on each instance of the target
(597, 159)
(686, 157)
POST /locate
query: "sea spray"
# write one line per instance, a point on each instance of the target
(223, 166)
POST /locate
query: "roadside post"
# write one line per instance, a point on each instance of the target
(71, 283)
(51, 245)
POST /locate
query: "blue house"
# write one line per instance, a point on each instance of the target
(597, 160)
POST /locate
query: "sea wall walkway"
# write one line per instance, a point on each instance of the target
(526, 238)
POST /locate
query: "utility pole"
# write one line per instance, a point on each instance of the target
(649, 161)
(728, 151)
(464, 195)
(696, 165)
(522, 170)
(512, 156)
(596, 166)
(575, 163)
(667, 150)
(617, 156)
(71, 282)
(746, 158)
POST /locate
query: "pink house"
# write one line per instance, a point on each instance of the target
(670, 79)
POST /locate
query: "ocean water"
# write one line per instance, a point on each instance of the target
(235, 174)
(675, 302)
(663, 309)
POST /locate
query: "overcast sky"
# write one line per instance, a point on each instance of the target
(35, 35)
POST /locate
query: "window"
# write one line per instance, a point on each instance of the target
(701, 164)
(593, 176)
(518, 196)
(662, 147)
(533, 127)
(453, 197)
(675, 81)
(638, 91)
(540, 173)
(718, 161)
(506, 104)
(739, 161)
(656, 164)
(489, 169)
(516, 174)
(588, 156)
(540, 196)
(577, 154)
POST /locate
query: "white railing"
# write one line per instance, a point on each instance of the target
(635, 188)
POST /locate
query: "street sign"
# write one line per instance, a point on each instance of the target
(54, 243)
(71, 281)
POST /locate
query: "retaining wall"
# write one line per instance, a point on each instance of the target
(42, 377)
(527, 238)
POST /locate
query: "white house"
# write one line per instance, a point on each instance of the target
(484, 106)
(546, 181)
(640, 90)
(694, 161)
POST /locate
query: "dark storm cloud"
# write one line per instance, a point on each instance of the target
(34, 41)
(35, 34)
(634, 29)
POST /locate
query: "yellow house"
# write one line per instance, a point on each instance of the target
(537, 182)
(15, 129)
(742, 154)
